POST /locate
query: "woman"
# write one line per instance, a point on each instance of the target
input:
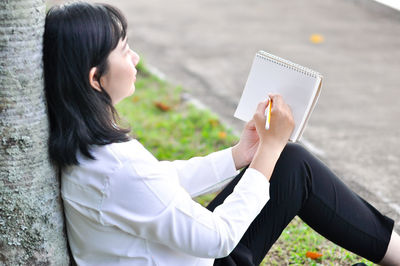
(124, 207)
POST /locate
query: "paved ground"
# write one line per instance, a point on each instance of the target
(208, 46)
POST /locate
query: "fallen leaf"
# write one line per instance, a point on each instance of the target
(222, 135)
(316, 38)
(313, 255)
(214, 122)
(135, 99)
(162, 106)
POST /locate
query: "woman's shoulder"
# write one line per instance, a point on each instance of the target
(123, 152)
(111, 157)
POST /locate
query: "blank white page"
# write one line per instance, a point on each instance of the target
(298, 85)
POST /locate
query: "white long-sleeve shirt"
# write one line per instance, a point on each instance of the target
(128, 208)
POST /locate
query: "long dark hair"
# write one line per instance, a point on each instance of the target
(77, 37)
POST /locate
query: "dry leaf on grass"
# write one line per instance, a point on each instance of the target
(214, 122)
(222, 134)
(313, 255)
(162, 106)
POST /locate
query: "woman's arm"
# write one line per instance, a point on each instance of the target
(146, 202)
(272, 141)
(258, 147)
(201, 175)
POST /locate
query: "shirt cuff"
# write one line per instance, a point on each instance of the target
(260, 180)
(223, 164)
(251, 191)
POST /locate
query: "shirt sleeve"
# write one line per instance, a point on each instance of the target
(145, 201)
(201, 175)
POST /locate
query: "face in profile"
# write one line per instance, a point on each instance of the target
(119, 79)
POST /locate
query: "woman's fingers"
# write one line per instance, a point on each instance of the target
(277, 100)
(251, 124)
(259, 115)
(280, 105)
(262, 105)
(282, 121)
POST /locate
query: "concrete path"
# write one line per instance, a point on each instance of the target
(208, 46)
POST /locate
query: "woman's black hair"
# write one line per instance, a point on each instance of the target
(77, 37)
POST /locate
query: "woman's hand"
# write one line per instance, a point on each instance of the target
(244, 151)
(273, 140)
(255, 134)
(281, 123)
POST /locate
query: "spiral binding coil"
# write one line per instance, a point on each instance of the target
(288, 64)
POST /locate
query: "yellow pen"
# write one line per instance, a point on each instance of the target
(268, 114)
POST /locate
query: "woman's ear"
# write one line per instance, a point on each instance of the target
(94, 80)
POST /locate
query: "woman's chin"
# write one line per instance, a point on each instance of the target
(132, 90)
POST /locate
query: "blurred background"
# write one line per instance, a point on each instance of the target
(208, 47)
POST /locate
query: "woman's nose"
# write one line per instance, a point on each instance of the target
(135, 58)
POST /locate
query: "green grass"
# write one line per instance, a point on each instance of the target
(178, 133)
(298, 238)
(173, 129)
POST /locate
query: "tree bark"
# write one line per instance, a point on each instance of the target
(31, 217)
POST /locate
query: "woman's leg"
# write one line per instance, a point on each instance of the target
(340, 215)
(302, 185)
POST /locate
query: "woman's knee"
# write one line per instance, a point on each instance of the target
(291, 175)
(292, 164)
(294, 153)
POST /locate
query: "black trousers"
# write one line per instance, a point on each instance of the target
(302, 185)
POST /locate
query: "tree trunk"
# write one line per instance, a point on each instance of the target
(31, 218)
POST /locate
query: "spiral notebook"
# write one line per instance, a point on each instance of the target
(299, 86)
